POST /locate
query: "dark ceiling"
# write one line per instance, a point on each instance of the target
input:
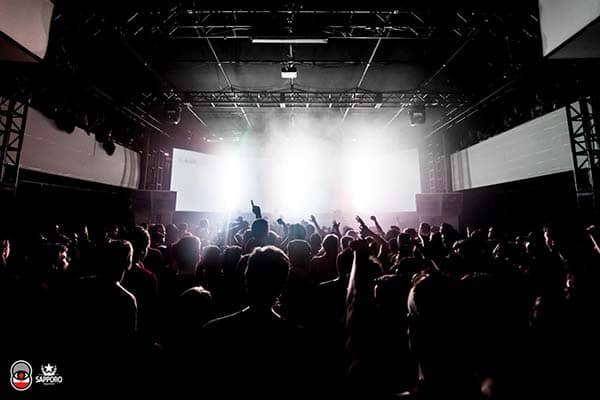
(144, 56)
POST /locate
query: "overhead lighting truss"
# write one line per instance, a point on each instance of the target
(329, 99)
(258, 25)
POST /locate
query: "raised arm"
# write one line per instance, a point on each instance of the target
(256, 210)
(366, 232)
(286, 233)
(377, 226)
(316, 224)
(335, 228)
(594, 237)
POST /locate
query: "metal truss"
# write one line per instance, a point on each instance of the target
(584, 121)
(330, 99)
(13, 114)
(340, 24)
(390, 24)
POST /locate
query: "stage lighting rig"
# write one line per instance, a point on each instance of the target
(64, 119)
(289, 72)
(109, 146)
(173, 113)
(416, 114)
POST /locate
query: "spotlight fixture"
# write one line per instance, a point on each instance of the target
(109, 146)
(173, 113)
(104, 137)
(416, 115)
(289, 72)
(64, 119)
(290, 40)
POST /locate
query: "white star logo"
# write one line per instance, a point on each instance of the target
(48, 370)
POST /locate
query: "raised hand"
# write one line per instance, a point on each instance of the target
(360, 221)
(256, 210)
(316, 224)
(377, 226)
(335, 228)
(366, 232)
(592, 231)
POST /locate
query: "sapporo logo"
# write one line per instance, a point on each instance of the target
(48, 376)
(20, 375)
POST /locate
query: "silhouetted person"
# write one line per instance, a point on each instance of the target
(315, 243)
(118, 308)
(102, 320)
(329, 319)
(361, 317)
(233, 293)
(297, 231)
(260, 231)
(155, 260)
(184, 229)
(394, 363)
(255, 352)
(433, 335)
(323, 267)
(172, 234)
(295, 299)
(346, 240)
(142, 282)
(203, 229)
(186, 256)
(209, 273)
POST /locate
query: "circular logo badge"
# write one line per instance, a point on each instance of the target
(20, 375)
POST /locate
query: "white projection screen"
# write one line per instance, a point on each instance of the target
(561, 19)
(28, 23)
(77, 155)
(295, 186)
(536, 148)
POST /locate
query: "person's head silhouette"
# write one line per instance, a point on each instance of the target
(186, 253)
(118, 255)
(299, 253)
(331, 244)
(265, 276)
(140, 240)
(260, 229)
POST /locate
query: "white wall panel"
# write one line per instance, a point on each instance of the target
(535, 148)
(76, 155)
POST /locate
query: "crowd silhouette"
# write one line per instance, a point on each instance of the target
(271, 309)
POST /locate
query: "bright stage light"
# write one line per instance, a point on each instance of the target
(294, 169)
(229, 181)
(376, 179)
(298, 172)
(361, 178)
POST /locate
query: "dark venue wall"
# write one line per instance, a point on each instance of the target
(43, 199)
(524, 204)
